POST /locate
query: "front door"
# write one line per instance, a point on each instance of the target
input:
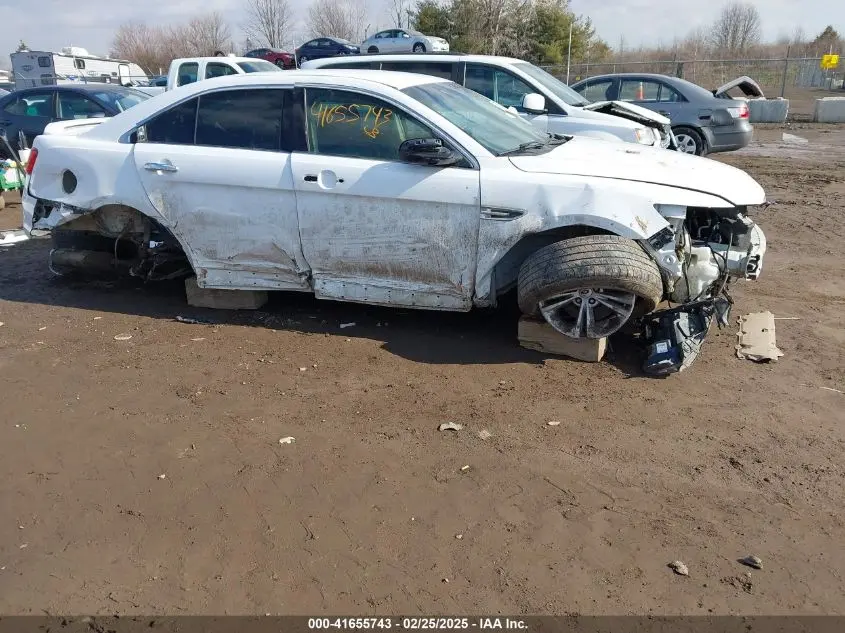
(375, 229)
(217, 168)
(504, 88)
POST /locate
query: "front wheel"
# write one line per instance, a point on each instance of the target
(303, 59)
(419, 48)
(589, 287)
(690, 141)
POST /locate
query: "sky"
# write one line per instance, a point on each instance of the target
(90, 24)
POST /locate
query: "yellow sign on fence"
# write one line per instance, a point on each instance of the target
(829, 62)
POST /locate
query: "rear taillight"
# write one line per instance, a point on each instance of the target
(743, 111)
(30, 164)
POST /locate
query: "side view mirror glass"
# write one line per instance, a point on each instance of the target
(427, 151)
(534, 103)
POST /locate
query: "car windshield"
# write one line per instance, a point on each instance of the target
(121, 100)
(553, 84)
(496, 129)
(258, 66)
(342, 41)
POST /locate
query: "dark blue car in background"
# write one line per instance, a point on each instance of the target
(31, 109)
(321, 47)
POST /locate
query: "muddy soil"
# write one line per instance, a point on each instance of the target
(146, 475)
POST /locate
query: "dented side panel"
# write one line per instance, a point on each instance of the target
(235, 208)
(388, 232)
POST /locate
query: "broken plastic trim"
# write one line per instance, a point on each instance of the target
(674, 336)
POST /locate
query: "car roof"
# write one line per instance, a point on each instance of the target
(216, 58)
(415, 57)
(631, 75)
(76, 87)
(340, 79)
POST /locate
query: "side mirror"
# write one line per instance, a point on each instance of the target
(427, 151)
(534, 103)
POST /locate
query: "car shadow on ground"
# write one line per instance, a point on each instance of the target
(480, 337)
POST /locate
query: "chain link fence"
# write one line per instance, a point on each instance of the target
(775, 76)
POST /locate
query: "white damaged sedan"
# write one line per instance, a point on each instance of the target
(394, 189)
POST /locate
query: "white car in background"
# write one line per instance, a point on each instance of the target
(392, 189)
(542, 99)
(403, 41)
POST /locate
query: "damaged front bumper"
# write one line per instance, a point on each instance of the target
(700, 255)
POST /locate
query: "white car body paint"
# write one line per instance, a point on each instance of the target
(372, 231)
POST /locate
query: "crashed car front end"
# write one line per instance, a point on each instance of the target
(699, 255)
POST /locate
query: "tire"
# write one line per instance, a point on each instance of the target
(303, 59)
(606, 277)
(280, 63)
(419, 48)
(690, 141)
(372, 49)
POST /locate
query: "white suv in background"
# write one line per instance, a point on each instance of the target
(545, 101)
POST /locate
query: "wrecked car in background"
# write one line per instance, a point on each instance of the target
(541, 98)
(702, 122)
(401, 190)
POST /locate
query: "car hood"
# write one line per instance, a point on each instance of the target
(747, 85)
(629, 111)
(623, 161)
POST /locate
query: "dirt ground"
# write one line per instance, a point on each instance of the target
(146, 476)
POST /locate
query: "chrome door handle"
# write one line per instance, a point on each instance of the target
(160, 167)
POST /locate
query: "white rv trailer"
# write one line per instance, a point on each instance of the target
(71, 65)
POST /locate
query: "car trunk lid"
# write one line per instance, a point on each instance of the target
(750, 88)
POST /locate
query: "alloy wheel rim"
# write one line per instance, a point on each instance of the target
(686, 143)
(589, 312)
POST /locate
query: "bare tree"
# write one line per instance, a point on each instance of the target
(269, 22)
(338, 18)
(147, 47)
(206, 34)
(400, 12)
(737, 28)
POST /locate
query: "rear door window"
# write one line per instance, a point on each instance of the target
(77, 106)
(639, 90)
(216, 69)
(36, 104)
(246, 119)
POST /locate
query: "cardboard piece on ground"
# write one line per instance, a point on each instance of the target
(223, 299)
(757, 338)
(538, 335)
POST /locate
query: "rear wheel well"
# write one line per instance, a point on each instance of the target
(135, 239)
(506, 270)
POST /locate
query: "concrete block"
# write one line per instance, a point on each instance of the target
(538, 335)
(768, 110)
(223, 299)
(830, 110)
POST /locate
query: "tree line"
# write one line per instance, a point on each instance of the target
(535, 30)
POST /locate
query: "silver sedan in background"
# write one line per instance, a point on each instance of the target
(403, 41)
(703, 122)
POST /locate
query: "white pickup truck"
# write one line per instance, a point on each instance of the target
(188, 70)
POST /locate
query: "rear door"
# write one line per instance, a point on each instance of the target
(376, 229)
(217, 167)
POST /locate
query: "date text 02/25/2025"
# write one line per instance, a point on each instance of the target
(417, 624)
